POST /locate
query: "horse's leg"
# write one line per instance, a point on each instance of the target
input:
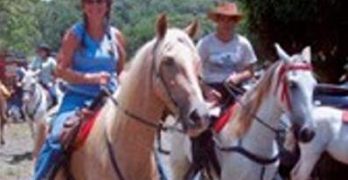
(3, 119)
(179, 162)
(2, 124)
(309, 157)
(39, 137)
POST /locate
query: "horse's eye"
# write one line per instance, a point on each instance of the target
(169, 61)
(293, 85)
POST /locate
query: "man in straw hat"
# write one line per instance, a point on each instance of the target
(226, 56)
(45, 65)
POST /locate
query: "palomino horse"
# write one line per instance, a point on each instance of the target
(332, 137)
(161, 78)
(4, 94)
(246, 146)
(36, 103)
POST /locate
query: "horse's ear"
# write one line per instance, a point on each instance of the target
(22, 70)
(193, 28)
(306, 54)
(36, 73)
(282, 54)
(161, 26)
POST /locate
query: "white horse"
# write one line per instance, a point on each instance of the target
(36, 107)
(331, 136)
(246, 146)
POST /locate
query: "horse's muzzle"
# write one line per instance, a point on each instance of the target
(195, 123)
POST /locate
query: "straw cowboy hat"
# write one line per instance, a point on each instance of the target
(228, 9)
(44, 47)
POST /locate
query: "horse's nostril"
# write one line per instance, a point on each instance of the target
(194, 116)
(306, 135)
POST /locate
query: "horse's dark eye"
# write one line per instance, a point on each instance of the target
(169, 61)
(293, 85)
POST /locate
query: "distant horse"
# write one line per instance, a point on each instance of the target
(246, 146)
(332, 137)
(161, 78)
(36, 103)
(4, 94)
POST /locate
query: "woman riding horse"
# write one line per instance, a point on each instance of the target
(92, 54)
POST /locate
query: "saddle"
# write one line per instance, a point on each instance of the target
(75, 132)
(203, 146)
(81, 123)
(77, 128)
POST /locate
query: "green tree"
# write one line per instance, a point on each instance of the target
(53, 19)
(17, 24)
(137, 18)
(295, 24)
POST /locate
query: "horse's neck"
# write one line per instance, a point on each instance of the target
(259, 136)
(38, 97)
(143, 106)
(258, 139)
(133, 140)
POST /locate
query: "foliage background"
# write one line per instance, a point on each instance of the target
(322, 24)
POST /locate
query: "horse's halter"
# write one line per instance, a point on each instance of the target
(283, 84)
(157, 73)
(285, 99)
(33, 88)
(159, 77)
(146, 122)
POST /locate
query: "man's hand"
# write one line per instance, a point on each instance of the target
(213, 96)
(234, 79)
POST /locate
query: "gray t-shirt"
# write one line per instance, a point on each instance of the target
(219, 60)
(46, 69)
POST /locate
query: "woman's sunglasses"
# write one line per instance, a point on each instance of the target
(94, 1)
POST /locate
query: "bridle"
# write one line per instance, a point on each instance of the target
(146, 122)
(285, 98)
(281, 83)
(33, 91)
(158, 76)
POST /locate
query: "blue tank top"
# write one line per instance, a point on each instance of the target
(94, 56)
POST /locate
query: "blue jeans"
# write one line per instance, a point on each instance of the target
(52, 150)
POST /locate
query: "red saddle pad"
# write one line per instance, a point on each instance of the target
(345, 116)
(85, 129)
(223, 119)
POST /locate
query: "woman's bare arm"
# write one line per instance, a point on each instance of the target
(70, 43)
(121, 51)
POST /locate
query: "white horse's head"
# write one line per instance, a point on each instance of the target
(28, 83)
(295, 91)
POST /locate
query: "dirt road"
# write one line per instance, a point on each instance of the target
(15, 156)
